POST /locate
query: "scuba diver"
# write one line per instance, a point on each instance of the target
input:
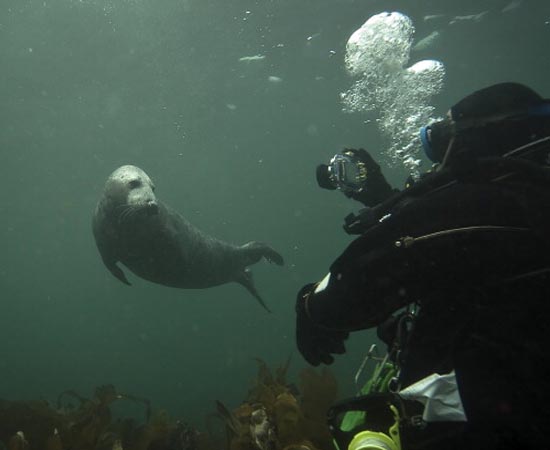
(454, 273)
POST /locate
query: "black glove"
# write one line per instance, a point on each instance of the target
(376, 188)
(316, 343)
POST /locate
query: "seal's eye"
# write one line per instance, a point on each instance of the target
(134, 184)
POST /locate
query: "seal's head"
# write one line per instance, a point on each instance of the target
(129, 191)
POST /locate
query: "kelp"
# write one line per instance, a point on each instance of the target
(278, 416)
(90, 425)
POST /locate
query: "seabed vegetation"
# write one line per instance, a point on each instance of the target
(276, 415)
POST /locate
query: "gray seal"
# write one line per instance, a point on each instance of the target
(133, 227)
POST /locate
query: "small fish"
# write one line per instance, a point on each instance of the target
(433, 17)
(313, 36)
(252, 58)
(427, 41)
(274, 79)
(511, 6)
(472, 17)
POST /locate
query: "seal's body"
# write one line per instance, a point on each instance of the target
(158, 244)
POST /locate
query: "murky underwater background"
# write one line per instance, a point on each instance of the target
(88, 85)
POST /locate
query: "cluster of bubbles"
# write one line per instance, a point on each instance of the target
(377, 55)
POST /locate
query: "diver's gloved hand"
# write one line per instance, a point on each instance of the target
(375, 187)
(316, 343)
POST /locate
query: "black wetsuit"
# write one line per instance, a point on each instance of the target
(478, 273)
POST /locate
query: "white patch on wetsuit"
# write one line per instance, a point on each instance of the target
(323, 284)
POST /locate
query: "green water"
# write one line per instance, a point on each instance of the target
(86, 86)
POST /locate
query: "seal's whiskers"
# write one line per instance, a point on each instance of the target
(128, 211)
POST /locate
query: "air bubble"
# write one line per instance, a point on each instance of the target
(376, 56)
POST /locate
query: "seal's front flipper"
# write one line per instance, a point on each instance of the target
(245, 278)
(258, 250)
(109, 260)
(117, 271)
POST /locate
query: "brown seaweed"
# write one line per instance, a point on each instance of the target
(89, 425)
(276, 417)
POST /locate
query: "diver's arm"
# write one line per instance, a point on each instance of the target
(344, 300)
(315, 342)
(357, 175)
(383, 270)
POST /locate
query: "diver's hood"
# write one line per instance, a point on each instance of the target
(489, 122)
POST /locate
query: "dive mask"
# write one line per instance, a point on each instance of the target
(435, 139)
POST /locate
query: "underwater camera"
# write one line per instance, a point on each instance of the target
(345, 172)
